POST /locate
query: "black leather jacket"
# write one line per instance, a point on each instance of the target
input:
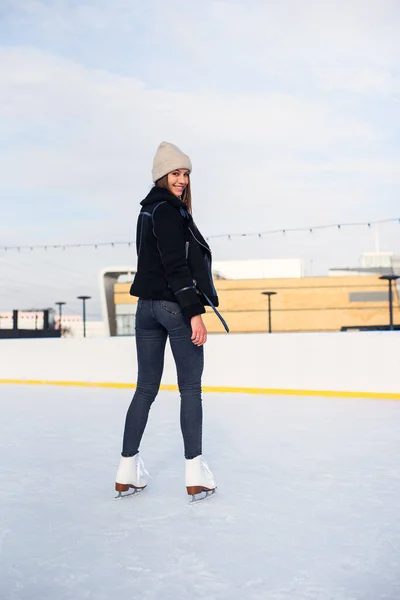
(174, 260)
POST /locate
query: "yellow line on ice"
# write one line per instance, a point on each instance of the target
(214, 388)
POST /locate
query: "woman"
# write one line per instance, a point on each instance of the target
(173, 283)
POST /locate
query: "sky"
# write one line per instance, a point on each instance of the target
(289, 112)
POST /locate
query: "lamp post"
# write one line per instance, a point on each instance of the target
(60, 305)
(269, 294)
(389, 279)
(84, 298)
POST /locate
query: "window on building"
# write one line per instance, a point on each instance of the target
(125, 318)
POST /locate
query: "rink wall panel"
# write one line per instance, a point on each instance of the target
(366, 363)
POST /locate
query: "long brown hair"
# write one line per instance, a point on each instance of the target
(187, 193)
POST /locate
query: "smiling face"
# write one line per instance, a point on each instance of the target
(178, 181)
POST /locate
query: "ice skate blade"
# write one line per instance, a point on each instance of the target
(135, 492)
(207, 494)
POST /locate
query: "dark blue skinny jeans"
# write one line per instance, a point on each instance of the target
(156, 320)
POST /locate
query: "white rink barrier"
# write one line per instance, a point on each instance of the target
(355, 364)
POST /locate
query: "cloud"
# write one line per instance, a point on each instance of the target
(86, 138)
(98, 127)
(287, 111)
(206, 45)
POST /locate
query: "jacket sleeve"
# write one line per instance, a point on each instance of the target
(170, 233)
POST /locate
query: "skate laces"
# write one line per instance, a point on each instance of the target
(141, 469)
(206, 468)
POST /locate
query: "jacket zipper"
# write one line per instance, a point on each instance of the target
(208, 249)
(189, 287)
(208, 269)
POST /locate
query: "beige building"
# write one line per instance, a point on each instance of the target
(349, 299)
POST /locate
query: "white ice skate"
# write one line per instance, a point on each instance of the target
(199, 479)
(130, 474)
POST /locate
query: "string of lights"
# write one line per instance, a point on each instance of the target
(229, 236)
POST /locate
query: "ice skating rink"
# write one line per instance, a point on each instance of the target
(308, 505)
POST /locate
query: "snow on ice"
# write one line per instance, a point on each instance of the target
(307, 508)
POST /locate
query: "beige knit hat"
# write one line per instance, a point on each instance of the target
(168, 158)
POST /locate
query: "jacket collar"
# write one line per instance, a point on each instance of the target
(157, 194)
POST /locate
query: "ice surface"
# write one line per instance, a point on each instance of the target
(308, 506)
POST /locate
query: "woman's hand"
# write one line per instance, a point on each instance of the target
(199, 331)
